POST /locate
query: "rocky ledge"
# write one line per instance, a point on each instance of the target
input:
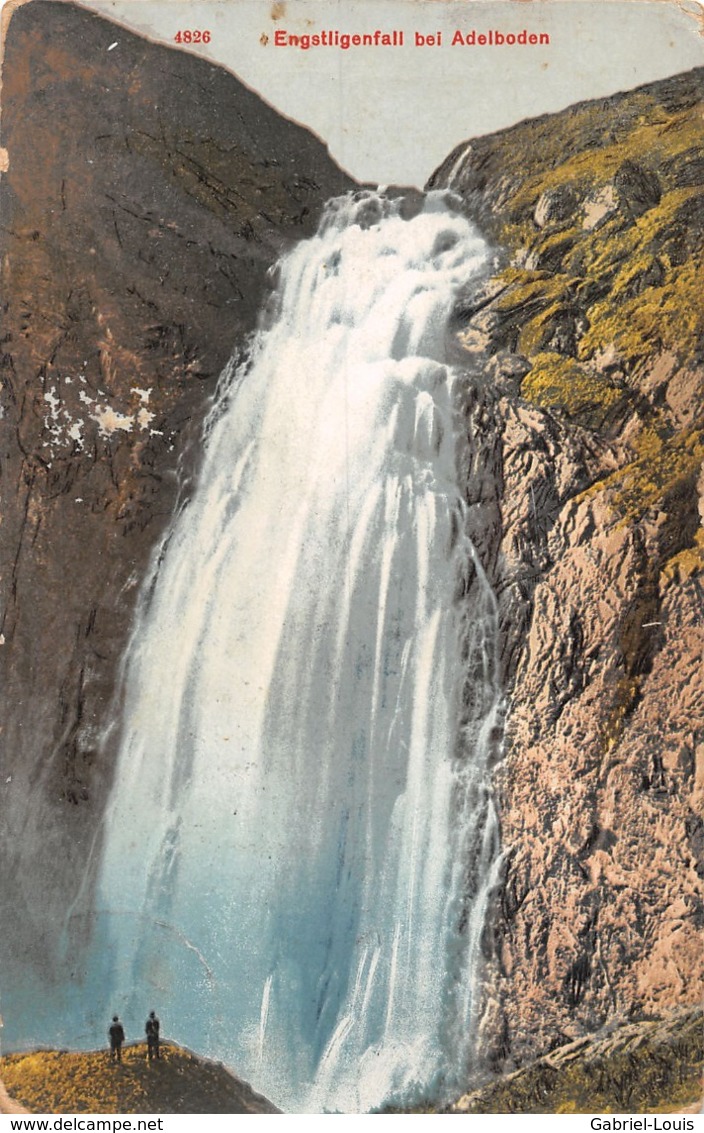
(59, 1081)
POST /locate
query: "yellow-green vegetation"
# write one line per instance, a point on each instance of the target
(559, 381)
(663, 468)
(527, 288)
(663, 477)
(50, 1081)
(606, 277)
(630, 293)
(666, 314)
(535, 336)
(685, 563)
(625, 697)
(589, 148)
(625, 281)
(648, 1067)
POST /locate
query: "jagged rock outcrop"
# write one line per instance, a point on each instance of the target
(591, 339)
(147, 194)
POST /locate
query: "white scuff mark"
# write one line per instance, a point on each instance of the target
(113, 45)
(52, 421)
(63, 429)
(68, 381)
(76, 433)
(78, 500)
(53, 401)
(111, 421)
(9, 779)
(2, 638)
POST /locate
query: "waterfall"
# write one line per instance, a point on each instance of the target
(300, 842)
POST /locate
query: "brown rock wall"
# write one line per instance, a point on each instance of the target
(603, 913)
(148, 192)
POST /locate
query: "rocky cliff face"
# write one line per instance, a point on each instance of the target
(590, 334)
(147, 195)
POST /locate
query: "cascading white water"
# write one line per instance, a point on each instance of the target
(301, 840)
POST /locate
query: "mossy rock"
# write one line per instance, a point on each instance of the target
(562, 384)
(552, 253)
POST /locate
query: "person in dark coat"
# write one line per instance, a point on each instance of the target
(152, 1030)
(116, 1035)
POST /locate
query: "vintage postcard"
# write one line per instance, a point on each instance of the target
(352, 601)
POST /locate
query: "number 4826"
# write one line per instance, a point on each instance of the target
(192, 37)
